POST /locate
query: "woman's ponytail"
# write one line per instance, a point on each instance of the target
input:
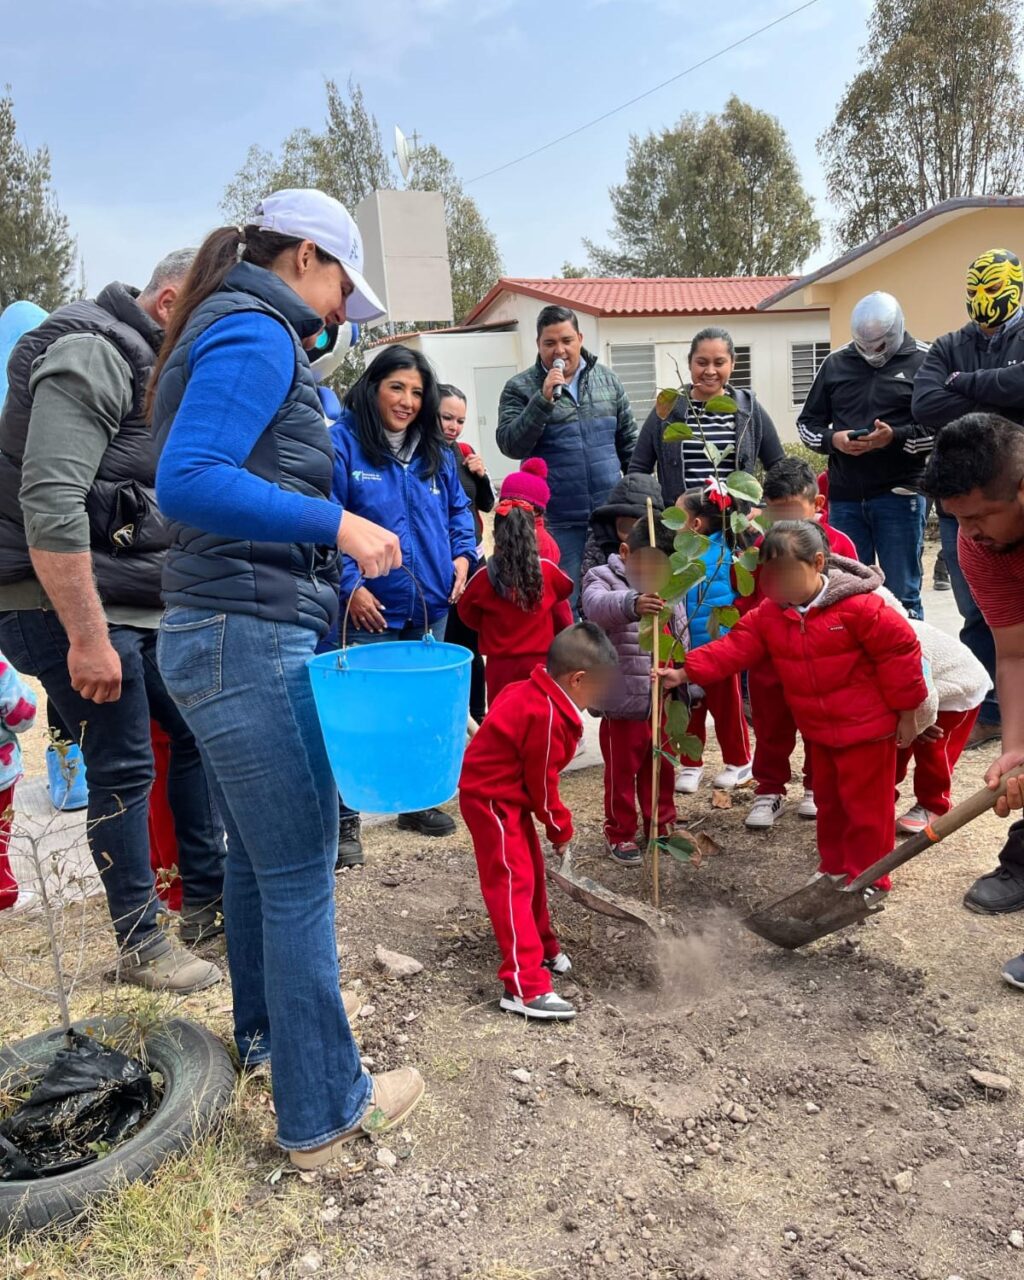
(516, 560)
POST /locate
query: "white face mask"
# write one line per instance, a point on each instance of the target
(877, 328)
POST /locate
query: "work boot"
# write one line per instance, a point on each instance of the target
(428, 822)
(997, 893)
(350, 844)
(162, 966)
(982, 734)
(395, 1093)
(200, 923)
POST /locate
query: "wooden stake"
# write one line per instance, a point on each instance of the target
(655, 734)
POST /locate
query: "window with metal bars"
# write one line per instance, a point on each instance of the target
(805, 359)
(741, 373)
(636, 367)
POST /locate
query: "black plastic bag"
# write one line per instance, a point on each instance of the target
(89, 1099)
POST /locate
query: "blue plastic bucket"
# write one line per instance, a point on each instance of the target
(394, 719)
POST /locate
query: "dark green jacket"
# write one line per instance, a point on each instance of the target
(587, 447)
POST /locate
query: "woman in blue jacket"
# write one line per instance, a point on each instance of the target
(393, 466)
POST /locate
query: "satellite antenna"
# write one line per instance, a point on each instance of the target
(405, 150)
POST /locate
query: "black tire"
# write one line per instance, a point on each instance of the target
(199, 1076)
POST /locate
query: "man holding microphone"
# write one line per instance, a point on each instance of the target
(574, 413)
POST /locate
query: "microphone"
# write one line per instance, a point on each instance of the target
(556, 393)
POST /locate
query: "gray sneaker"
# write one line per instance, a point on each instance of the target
(546, 1008)
(164, 966)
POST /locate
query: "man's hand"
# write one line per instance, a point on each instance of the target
(367, 612)
(475, 465)
(555, 378)
(648, 603)
(882, 436)
(95, 670)
(461, 567)
(841, 441)
(906, 729)
(375, 550)
(1014, 798)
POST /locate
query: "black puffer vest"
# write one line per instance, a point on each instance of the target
(277, 581)
(128, 535)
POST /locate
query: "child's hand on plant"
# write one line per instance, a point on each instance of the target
(647, 604)
(670, 677)
(906, 730)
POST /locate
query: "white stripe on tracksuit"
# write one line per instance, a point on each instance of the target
(511, 913)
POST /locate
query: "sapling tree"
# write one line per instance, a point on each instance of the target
(685, 579)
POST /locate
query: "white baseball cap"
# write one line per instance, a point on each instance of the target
(312, 215)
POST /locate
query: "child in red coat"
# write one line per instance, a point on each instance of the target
(790, 492)
(851, 671)
(510, 773)
(518, 601)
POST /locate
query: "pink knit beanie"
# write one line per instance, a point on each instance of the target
(528, 485)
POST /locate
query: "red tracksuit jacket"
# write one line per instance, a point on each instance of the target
(847, 667)
(527, 738)
(506, 630)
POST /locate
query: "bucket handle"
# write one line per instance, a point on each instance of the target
(427, 637)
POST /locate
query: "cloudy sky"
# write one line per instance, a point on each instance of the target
(148, 106)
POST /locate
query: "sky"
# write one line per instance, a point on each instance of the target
(149, 106)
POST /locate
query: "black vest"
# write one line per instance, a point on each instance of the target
(276, 581)
(128, 536)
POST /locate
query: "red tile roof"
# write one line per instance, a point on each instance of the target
(658, 296)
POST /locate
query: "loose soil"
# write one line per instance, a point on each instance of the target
(719, 1110)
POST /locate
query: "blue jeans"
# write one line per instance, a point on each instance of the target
(974, 633)
(888, 529)
(118, 753)
(242, 685)
(409, 632)
(571, 539)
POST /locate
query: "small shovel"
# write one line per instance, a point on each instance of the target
(595, 897)
(826, 905)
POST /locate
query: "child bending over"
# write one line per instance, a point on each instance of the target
(509, 775)
(851, 672)
(17, 713)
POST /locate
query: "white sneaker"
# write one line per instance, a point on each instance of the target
(914, 820)
(734, 775)
(688, 779)
(807, 807)
(764, 811)
(559, 964)
(28, 900)
(547, 1008)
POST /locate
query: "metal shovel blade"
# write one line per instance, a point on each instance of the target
(595, 897)
(819, 908)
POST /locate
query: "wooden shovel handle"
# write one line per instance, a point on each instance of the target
(973, 807)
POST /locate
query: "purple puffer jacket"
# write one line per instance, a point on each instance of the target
(609, 600)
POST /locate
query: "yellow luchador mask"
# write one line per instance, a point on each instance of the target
(994, 285)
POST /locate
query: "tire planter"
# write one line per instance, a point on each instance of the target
(199, 1076)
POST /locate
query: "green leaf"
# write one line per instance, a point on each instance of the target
(678, 847)
(750, 558)
(681, 582)
(713, 453)
(744, 579)
(665, 401)
(674, 518)
(689, 745)
(646, 634)
(689, 544)
(722, 618)
(762, 521)
(741, 484)
(678, 431)
(678, 653)
(677, 719)
(721, 404)
(739, 521)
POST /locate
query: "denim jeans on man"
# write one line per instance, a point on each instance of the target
(242, 685)
(409, 632)
(889, 529)
(571, 539)
(118, 751)
(975, 632)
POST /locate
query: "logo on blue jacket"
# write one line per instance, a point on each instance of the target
(361, 476)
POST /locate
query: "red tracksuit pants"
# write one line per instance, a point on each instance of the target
(934, 761)
(498, 671)
(511, 868)
(774, 732)
(163, 841)
(8, 884)
(853, 789)
(725, 702)
(626, 751)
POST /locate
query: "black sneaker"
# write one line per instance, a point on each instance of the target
(996, 894)
(428, 822)
(350, 846)
(1014, 972)
(940, 576)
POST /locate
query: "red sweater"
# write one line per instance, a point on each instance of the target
(507, 631)
(527, 738)
(847, 667)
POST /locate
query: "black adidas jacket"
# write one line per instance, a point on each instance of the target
(990, 376)
(848, 394)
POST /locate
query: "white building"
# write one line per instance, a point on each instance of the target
(639, 328)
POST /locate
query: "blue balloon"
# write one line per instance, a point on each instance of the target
(15, 321)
